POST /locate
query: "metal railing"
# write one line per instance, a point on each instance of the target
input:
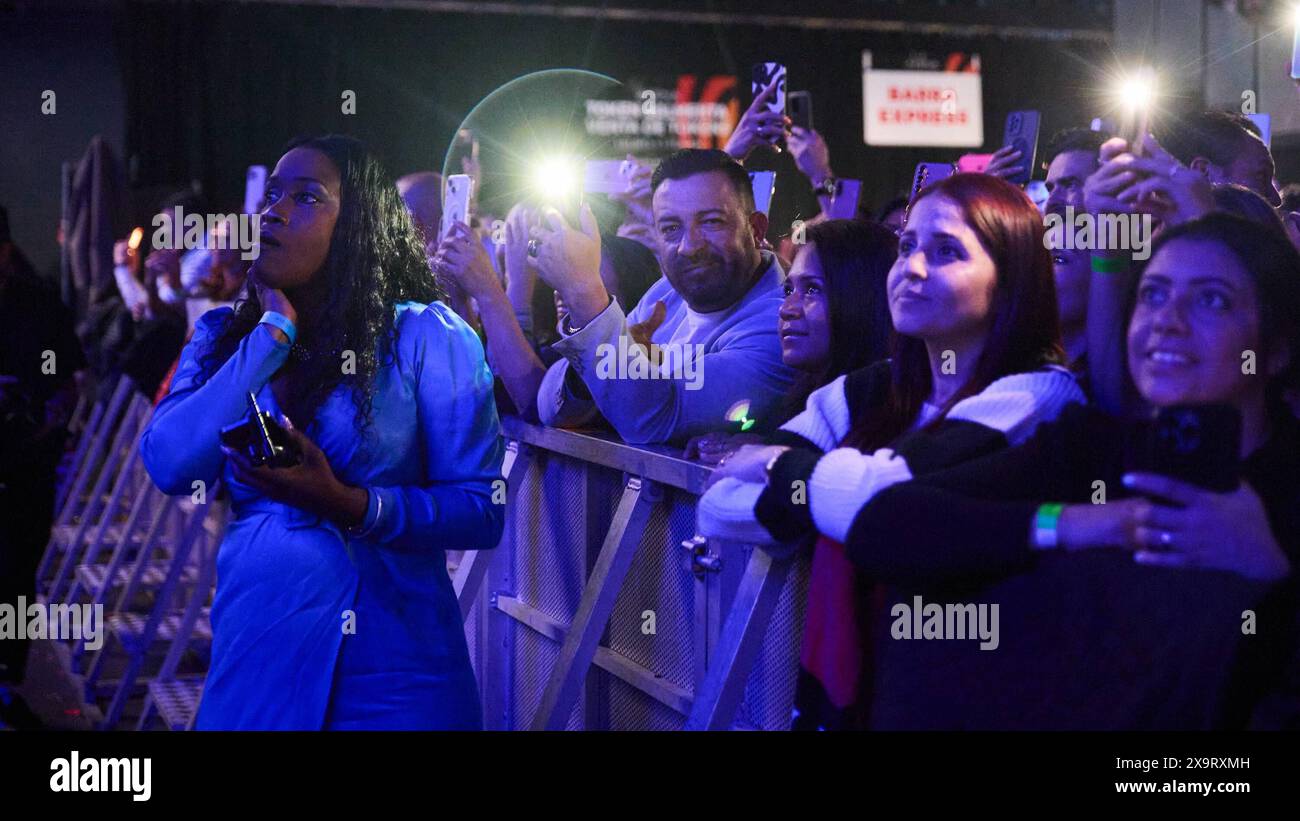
(601, 609)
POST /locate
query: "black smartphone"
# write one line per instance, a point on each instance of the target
(800, 103)
(1021, 133)
(928, 173)
(259, 437)
(1199, 444)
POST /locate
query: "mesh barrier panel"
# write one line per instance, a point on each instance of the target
(769, 692)
(631, 709)
(535, 657)
(558, 519)
(551, 554)
(660, 582)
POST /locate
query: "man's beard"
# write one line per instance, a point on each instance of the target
(703, 281)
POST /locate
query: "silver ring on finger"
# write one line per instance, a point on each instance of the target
(534, 247)
(1166, 538)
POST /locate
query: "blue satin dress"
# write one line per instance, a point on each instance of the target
(313, 630)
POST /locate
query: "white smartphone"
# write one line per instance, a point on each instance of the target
(254, 189)
(456, 197)
(606, 176)
(764, 185)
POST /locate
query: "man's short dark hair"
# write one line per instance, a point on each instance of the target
(1073, 139)
(1217, 136)
(1291, 197)
(691, 161)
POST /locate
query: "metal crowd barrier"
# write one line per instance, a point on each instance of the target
(600, 609)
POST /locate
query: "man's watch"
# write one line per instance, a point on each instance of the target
(828, 187)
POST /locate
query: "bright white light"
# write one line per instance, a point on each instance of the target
(1138, 90)
(555, 178)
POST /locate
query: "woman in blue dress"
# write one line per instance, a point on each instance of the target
(333, 607)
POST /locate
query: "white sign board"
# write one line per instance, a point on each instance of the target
(922, 108)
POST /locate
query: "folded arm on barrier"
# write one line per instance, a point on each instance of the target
(662, 408)
(460, 506)
(181, 443)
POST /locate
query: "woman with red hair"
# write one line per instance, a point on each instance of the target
(976, 364)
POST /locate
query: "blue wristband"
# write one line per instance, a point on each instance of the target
(282, 322)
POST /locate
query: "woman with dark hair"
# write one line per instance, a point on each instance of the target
(975, 365)
(1128, 599)
(834, 320)
(333, 606)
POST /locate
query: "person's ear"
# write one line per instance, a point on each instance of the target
(758, 226)
(1203, 166)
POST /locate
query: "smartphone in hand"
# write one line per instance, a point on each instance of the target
(1021, 133)
(458, 191)
(800, 103)
(260, 438)
(928, 173)
(764, 74)
(1198, 444)
(763, 184)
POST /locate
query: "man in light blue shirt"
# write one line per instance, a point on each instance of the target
(713, 355)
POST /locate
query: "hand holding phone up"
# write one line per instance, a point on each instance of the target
(759, 125)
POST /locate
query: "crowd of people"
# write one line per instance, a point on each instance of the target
(932, 399)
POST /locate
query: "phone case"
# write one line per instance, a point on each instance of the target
(844, 205)
(455, 205)
(259, 437)
(800, 103)
(1021, 133)
(764, 74)
(1199, 444)
(928, 173)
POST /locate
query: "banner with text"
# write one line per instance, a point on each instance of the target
(910, 107)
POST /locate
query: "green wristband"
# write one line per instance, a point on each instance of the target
(1109, 265)
(1045, 524)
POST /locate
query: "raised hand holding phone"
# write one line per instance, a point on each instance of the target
(811, 154)
(759, 125)
(569, 261)
(1167, 189)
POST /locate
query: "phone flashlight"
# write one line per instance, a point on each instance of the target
(136, 236)
(557, 182)
(1137, 96)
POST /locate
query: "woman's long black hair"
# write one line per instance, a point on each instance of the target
(375, 261)
(855, 257)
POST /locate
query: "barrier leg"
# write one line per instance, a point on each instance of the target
(719, 696)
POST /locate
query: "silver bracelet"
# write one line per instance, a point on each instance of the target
(359, 532)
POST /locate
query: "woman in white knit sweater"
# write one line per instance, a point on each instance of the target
(976, 365)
